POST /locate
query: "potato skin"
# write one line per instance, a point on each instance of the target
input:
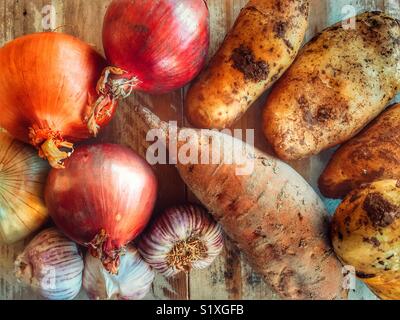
(366, 235)
(340, 81)
(372, 155)
(262, 44)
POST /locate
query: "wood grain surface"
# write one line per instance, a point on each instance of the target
(229, 277)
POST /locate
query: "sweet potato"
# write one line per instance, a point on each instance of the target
(340, 81)
(262, 44)
(272, 214)
(372, 155)
(365, 235)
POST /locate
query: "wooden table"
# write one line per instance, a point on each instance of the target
(229, 277)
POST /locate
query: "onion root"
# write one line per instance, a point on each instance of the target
(49, 143)
(110, 88)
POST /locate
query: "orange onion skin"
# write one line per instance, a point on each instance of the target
(103, 187)
(48, 80)
(164, 43)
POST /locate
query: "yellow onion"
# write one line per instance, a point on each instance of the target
(22, 178)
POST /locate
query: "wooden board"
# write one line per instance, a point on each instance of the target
(229, 277)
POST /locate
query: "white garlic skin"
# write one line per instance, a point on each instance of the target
(52, 265)
(179, 224)
(133, 281)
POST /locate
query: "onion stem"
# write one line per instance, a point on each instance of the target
(50, 150)
(99, 248)
(49, 144)
(100, 106)
(110, 88)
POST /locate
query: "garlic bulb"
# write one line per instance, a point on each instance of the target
(52, 265)
(132, 282)
(22, 178)
(182, 238)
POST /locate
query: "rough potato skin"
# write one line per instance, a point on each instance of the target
(366, 235)
(262, 44)
(272, 214)
(340, 81)
(372, 155)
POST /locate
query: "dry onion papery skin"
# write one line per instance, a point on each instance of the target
(133, 281)
(52, 265)
(181, 239)
(48, 93)
(153, 46)
(22, 178)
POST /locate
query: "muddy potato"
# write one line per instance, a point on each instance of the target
(372, 155)
(263, 43)
(340, 81)
(366, 235)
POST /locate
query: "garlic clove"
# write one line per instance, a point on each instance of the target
(132, 282)
(52, 265)
(181, 239)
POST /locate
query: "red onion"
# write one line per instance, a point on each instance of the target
(103, 199)
(154, 46)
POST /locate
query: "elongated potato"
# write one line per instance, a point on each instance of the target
(372, 155)
(340, 81)
(263, 43)
(366, 235)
